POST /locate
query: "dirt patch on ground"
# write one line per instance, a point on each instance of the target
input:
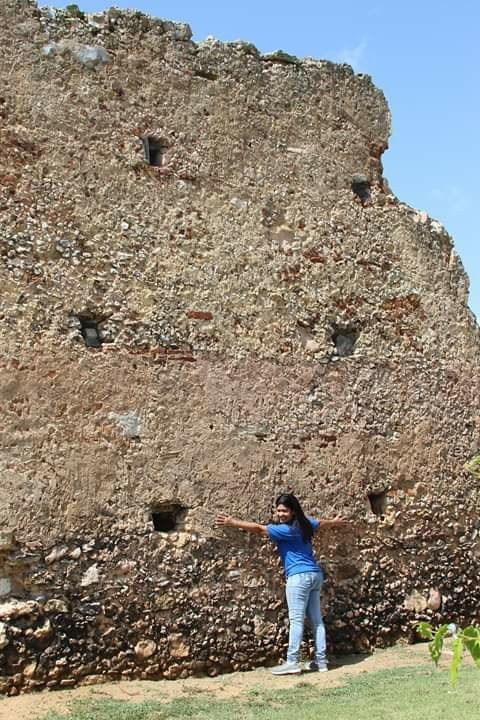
(34, 705)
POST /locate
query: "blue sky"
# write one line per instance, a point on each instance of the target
(424, 55)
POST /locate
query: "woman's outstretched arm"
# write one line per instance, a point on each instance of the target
(250, 527)
(335, 522)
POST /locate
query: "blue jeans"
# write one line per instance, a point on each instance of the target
(303, 598)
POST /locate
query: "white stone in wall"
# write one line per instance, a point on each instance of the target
(3, 636)
(6, 539)
(90, 577)
(91, 55)
(128, 423)
(5, 586)
(88, 55)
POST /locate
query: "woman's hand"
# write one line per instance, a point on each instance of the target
(225, 520)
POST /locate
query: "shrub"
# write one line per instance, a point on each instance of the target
(74, 11)
(466, 639)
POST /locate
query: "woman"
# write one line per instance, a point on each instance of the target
(293, 537)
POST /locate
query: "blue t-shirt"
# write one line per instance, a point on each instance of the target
(296, 554)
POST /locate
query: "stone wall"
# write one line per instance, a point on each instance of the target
(263, 314)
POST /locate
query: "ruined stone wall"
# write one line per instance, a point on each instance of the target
(269, 316)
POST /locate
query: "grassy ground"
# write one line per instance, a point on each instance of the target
(404, 694)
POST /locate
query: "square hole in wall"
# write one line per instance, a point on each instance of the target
(165, 516)
(344, 339)
(154, 150)
(90, 332)
(361, 187)
(378, 502)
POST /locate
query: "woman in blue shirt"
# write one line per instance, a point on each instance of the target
(304, 577)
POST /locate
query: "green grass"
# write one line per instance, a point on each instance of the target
(111, 710)
(403, 694)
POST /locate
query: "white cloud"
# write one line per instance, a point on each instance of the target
(353, 56)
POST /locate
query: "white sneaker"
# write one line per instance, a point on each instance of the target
(288, 668)
(312, 666)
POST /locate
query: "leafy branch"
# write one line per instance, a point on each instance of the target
(473, 466)
(466, 639)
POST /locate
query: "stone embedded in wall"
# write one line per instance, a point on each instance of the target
(7, 540)
(3, 636)
(260, 432)
(91, 576)
(14, 609)
(308, 340)
(29, 670)
(50, 49)
(178, 646)
(100, 21)
(434, 601)
(128, 423)
(145, 649)
(56, 606)
(416, 602)
(88, 55)
(56, 554)
(5, 586)
(239, 203)
(44, 631)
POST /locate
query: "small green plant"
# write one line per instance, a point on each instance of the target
(473, 466)
(466, 639)
(74, 11)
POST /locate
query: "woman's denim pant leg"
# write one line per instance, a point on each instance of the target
(303, 598)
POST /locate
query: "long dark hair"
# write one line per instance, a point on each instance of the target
(291, 502)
